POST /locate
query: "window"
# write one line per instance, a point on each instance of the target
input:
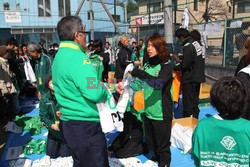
(243, 7)
(18, 6)
(44, 9)
(154, 7)
(89, 15)
(195, 5)
(64, 7)
(6, 6)
(117, 18)
(46, 39)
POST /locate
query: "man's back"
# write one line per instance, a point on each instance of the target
(74, 80)
(219, 142)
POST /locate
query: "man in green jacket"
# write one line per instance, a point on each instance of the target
(77, 91)
(43, 64)
(49, 115)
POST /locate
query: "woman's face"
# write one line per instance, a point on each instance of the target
(51, 87)
(151, 49)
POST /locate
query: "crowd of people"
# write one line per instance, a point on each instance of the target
(60, 79)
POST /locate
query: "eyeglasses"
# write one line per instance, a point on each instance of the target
(83, 32)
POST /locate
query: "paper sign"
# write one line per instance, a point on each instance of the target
(13, 17)
(12, 127)
(236, 24)
(14, 153)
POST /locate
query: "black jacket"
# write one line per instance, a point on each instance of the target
(193, 63)
(242, 64)
(123, 58)
(246, 79)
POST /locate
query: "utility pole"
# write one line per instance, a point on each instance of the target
(79, 7)
(91, 20)
(126, 16)
(149, 13)
(110, 16)
(168, 23)
(115, 12)
(64, 8)
(233, 9)
(175, 13)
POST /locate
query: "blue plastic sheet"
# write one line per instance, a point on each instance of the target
(178, 159)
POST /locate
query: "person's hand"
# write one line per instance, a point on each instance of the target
(25, 58)
(39, 95)
(137, 63)
(120, 88)
(100, 58)
(55, 127)
(34, 85)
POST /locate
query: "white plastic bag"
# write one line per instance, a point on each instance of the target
(123, 99)
(29, 73)
(109, 117)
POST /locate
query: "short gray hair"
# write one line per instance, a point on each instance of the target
(68, 26)
(32, 47)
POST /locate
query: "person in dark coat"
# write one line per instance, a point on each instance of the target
(192, 70)
(123, 57)
(104, 57)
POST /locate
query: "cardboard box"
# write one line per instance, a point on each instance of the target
(181, 133)
(189, 121)
(205, 91)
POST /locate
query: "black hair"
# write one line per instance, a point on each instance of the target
(48, 78)
(11, 41)
(133, 42)
(55, 45)
(97, 44)
(141, 40)
(108, 43)
(182, 32)
(68, 26)
(195, 34)
(52, 53)
(229, 95)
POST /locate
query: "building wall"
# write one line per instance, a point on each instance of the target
(181, 4)
(29, 17)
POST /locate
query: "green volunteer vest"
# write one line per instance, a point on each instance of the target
(153, 101)
(97, 64)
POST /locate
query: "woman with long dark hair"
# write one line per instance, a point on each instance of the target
(157, 80)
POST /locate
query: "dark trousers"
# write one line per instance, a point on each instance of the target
(87, 143)
(158, 139)
(56, 148)
(190, 92)
(129, 143)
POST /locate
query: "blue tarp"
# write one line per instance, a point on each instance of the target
(178, 159)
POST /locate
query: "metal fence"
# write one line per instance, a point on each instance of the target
(225, 40)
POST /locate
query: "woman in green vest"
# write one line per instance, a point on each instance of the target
(157, 77)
